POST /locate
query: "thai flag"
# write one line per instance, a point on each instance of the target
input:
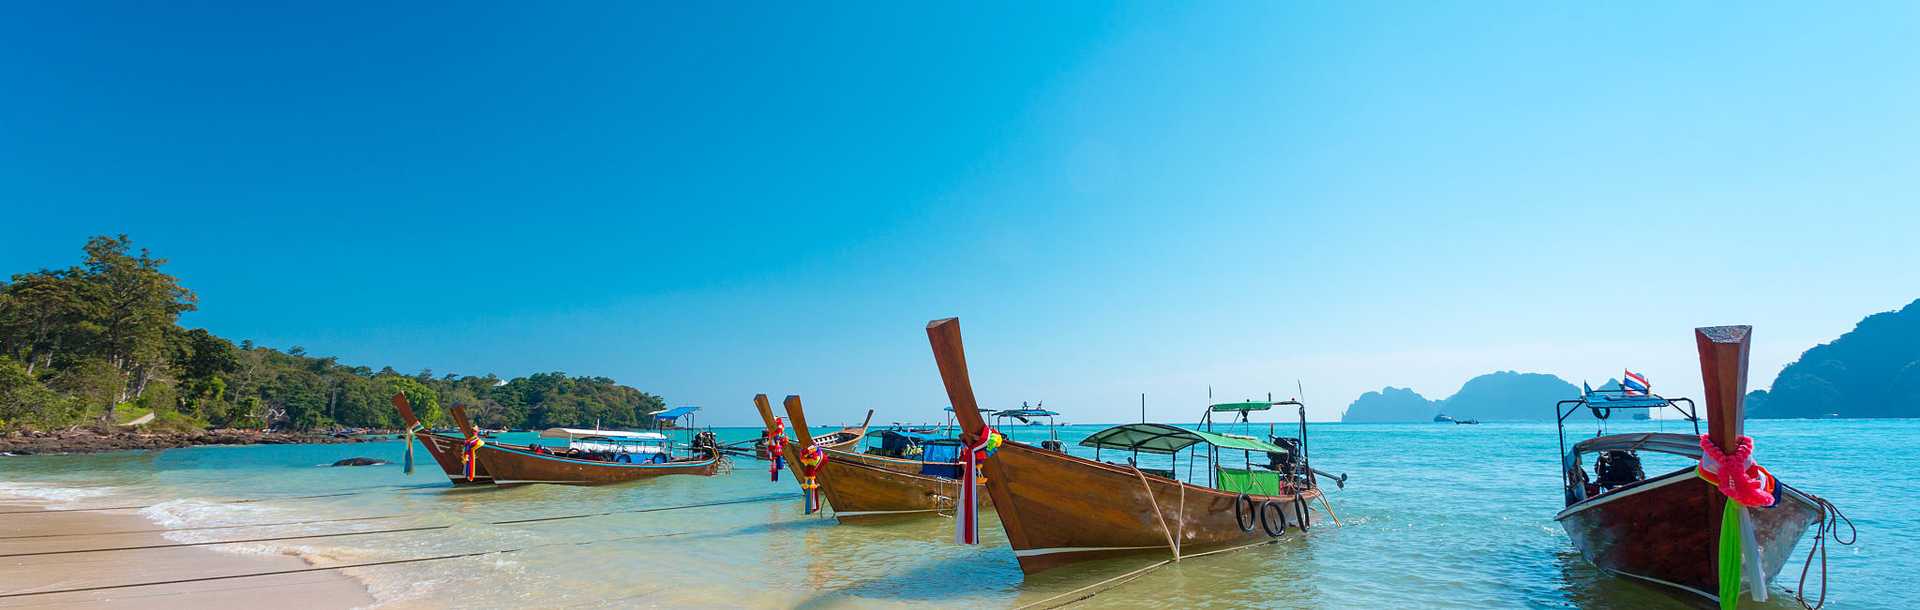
(1635, 384)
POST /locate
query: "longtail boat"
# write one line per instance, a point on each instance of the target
(861, 486)
(1679, 529)
(533, 464)
(844, 439)
(1058, 509)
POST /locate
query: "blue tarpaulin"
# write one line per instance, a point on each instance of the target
(675, 413)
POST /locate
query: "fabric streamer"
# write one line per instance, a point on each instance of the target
(811, 459)
(469, 458)
(1746, 485)
(412, 431)
(776, 447)
(966, 528)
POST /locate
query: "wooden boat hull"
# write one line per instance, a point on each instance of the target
(1059, 509)
(1666, 530)
(511, 466)
(862, 487)
(847, 440)
(446, 451)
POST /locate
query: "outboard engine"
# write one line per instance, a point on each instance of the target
(707, 442)
(1288, 463)
(1616, 468)
(1053, 445)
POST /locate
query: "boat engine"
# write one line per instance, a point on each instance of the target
(1616, 468)
(706, 442)
(1053, 445)
(1286, 463)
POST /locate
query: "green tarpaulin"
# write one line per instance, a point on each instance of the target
(1250, 482)
(1242, 406)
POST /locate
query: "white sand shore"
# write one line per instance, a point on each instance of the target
(91, 530)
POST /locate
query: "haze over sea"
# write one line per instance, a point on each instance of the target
(1434, 515)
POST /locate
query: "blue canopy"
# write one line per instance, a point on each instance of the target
(916, 437)
(1025, 413)
(675, 413)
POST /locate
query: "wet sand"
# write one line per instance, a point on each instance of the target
(93, 530)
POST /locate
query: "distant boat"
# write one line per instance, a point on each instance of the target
(1444, 419)
(1466, 421)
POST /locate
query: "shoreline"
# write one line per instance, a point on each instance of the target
(112, 570)
(89, 441)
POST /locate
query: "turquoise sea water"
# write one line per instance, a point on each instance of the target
(1434, 515)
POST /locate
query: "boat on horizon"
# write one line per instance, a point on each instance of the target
(1681, 529)
(1059, 509)
(590, 457)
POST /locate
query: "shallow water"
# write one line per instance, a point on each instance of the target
(1434, 515)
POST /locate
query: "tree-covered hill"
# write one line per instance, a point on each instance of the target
(1390, 404)
(1871, 371)
(1494, 396)
(79, 344)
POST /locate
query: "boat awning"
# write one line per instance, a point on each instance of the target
(982, 411)
(1162, 438)
(675, 413)
(916, 437)
(1241, 406)
(1684, 445)
(573, 433)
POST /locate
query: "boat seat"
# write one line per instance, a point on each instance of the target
(1251, 482)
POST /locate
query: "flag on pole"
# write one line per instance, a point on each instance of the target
(1635, 384)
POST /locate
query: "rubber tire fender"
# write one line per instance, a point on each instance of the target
(1306, 515)
(1245, 513)
(1267, 524)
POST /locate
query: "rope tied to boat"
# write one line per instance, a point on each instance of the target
(412, 431)
(966, 528)
(469, 456)
(776, 447)
(812, 458)
(1830, 520)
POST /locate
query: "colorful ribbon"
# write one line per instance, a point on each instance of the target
(410, 433)
(966, 527)
(776, 447)
(811, 459)
(469, 458)
(1746, 485)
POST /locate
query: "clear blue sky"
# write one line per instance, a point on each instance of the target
(710, 203)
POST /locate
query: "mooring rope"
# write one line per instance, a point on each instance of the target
(363, 490)
(395, 530)
(337, 567)
(1830, 520)
(162, 530)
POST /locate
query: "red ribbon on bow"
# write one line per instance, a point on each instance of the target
(966, 525)
(776, 447)
(1736, 475)
(469, 460)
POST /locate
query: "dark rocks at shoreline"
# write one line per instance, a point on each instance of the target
(89, 441)
(362, 461)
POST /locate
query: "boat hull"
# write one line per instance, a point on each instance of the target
(865, 488)
(446, 451)
(1666, 530)
(511, 466)
(1058, 509)
(845, 440)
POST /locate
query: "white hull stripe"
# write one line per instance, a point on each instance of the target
(1080, 549)
(1671, 480)
(1674, 585)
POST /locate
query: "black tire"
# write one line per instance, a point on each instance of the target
(1246, 513)
(1602, 412)
(1268, 517)
(1306, 516)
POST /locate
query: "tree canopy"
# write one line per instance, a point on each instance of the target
(77, 344)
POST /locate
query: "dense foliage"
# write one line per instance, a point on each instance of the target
(100, 341)
(1871, 371)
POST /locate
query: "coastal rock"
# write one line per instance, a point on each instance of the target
(361, 461)
(90, 441)
(1871, 371)
(1390, 404)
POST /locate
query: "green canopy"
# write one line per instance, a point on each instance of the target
(1241, 406)
(1162, 438)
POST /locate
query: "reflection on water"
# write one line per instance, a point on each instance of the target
(1435, 516)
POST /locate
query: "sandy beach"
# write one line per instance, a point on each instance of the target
(106, 573)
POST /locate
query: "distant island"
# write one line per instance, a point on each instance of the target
(1493, 396)
(1871, 371)
(99, 345)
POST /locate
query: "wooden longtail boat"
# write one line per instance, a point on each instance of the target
(863, 487)
(845, 439)
(1058, 509)
(1666, 529)
(510, 464)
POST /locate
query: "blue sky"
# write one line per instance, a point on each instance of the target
(707, 203)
